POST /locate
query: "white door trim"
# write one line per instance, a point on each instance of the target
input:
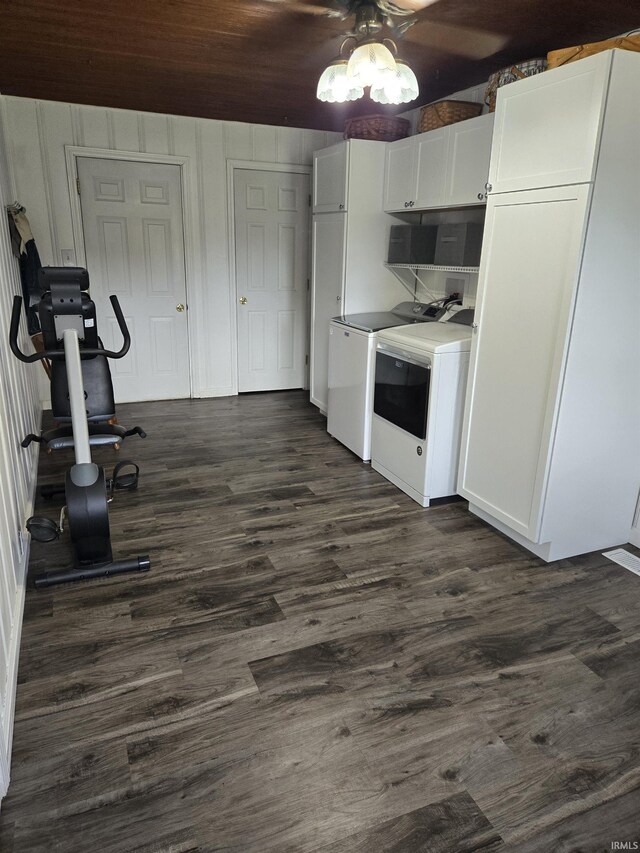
(256, 166)
(73, 152)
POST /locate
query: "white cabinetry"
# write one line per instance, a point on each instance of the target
(468, 155)
(349, 249)
(551, 438)
(447, 167)
(330, 168)
(430, 169)
(327, 273)
(547, 131)
(400, 177)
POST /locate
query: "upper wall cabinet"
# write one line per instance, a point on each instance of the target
(468, 160)
(447, 167)
(330, 170)
(399, 174)
(526, 155)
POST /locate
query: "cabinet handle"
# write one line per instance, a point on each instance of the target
(481, 196)
(488, 187)
(341, 206)
(411, 203)
(338, 298)
(406, 204)
(474, 326)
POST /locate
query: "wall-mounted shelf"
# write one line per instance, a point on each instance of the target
(411, 277)
(433, 267)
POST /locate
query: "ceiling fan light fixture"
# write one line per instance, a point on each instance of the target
(399, 88)
(335, 86)
(408, 82)
(371, 63)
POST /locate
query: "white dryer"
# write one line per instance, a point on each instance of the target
(418, 401)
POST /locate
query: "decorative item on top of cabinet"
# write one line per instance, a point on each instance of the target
(510, 74)
(377, 128)
(447, 167)
(556, 58)
(551, 447)
(443, 113)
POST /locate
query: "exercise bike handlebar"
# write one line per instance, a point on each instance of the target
(53, 354)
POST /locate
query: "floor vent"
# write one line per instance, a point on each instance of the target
(624, 558)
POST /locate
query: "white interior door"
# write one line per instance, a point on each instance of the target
(134, 242)
(271, 212)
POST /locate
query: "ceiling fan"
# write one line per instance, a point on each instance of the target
(405, 19)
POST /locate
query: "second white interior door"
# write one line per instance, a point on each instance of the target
(271, 237)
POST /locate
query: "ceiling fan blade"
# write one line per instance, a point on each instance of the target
(307, 8)
(462, 41)
(405, 7)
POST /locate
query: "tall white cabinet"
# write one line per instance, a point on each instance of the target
(350, 236)
(551, 438)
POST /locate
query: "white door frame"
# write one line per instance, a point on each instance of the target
(255, 166)
(73, 153)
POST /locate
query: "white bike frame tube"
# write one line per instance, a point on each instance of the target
(76, 396)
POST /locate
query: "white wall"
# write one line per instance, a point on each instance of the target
(37, 132)
(19, 414)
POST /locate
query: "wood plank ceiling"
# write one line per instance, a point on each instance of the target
(259, 60)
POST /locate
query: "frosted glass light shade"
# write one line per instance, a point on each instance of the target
(399, 89)
(408, 81)
(370, 64)
(335, 86)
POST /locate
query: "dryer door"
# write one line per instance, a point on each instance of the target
(401, 394)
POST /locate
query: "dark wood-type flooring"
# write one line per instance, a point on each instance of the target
(315, 664)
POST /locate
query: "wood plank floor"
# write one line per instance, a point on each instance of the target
(315, 664)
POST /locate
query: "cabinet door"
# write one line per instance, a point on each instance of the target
(468, 158)
(329, 230)
(528, 276)
(330, 174)
(547, 127)
(431, 159)
(399, 175)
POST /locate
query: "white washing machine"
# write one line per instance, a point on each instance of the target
(352, 346)
(418, 401)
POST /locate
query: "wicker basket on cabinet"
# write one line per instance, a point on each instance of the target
(443, 113)
(379, 128)
(509, 75)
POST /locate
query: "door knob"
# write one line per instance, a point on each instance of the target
(243, 300)
(179, 307)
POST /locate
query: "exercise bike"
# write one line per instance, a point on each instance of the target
(71, 343)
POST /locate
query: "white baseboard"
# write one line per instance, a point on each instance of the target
(6, 727)
(226, 391)
(14, 654)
